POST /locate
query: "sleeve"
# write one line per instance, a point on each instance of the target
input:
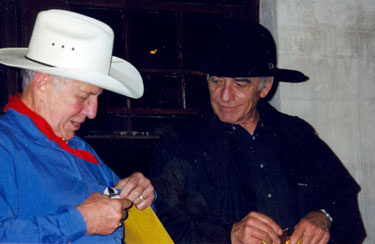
(169, 173)
(335, 190)
(64, 225)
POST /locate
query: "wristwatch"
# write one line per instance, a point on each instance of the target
(326, 214)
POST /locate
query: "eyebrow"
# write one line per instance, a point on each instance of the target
(91, 92)
(242, 79)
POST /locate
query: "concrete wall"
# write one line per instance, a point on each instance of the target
(333, 42)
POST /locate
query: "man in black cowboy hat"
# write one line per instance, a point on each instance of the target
(244, 172)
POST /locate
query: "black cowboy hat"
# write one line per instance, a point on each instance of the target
(245, 50)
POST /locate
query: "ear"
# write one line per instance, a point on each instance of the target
(266, 89)
(41, 83)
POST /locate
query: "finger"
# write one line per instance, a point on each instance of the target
(315, 238)
(144, 204)
(263, 237)
(135, 193)
(268, 221)
(263, 229)
(296, 237)
(267, 242)
(119, 210)
(99, 195)
(265, 233)
(133, 186)
(124, 213)
(249, 230)
(121, 183)
(120, 224)
(148, 194)
(128, 190)
(139, 199)
(125, 203)
(308, 240)
(141, 192)
(325, 238)
(147, 200)
(317, 235)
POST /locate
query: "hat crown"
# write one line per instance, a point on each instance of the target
(77, 47)
(243, 49)
(68, 40)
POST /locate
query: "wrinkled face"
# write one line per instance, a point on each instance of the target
(68, 105)
(234, 100)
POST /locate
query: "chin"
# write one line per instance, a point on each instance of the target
(227, 119)
(69, 137)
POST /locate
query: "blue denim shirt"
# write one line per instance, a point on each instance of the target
(40, 185)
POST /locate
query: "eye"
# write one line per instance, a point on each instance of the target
(83, 97)
(241, 84)
(215, 81)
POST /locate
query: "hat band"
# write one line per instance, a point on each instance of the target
(261, 70)
(39, 62)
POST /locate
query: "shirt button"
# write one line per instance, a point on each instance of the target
(261, 165)
(233, 127)
(269, 195)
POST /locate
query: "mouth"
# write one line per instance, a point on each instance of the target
(76, 125)
(226, 108)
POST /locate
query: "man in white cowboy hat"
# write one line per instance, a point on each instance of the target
(242, 172)
(52, 183)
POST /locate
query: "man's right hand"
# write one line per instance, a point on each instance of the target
(256, 228)
(103, 215)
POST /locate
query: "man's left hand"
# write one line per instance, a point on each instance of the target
(312, 229)
(138, 189)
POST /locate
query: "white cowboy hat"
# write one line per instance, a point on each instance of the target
(78, 47)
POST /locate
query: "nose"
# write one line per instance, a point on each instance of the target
(227, 92)
(91, 107)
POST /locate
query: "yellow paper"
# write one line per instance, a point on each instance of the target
(144, 227)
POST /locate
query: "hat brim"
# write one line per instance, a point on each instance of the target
(123, 77)
(287, 75)
(234, 69)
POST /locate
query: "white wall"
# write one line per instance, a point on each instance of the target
(333, 42)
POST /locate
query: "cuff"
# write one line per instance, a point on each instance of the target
(71, 223)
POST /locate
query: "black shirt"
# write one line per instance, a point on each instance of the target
(266, 176)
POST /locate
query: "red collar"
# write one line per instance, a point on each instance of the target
(16, 104)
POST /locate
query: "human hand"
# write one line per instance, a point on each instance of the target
(138, 189)
(256, 228)
(102, 214)
(312, 229)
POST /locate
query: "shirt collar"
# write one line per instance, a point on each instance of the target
(16, 104)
